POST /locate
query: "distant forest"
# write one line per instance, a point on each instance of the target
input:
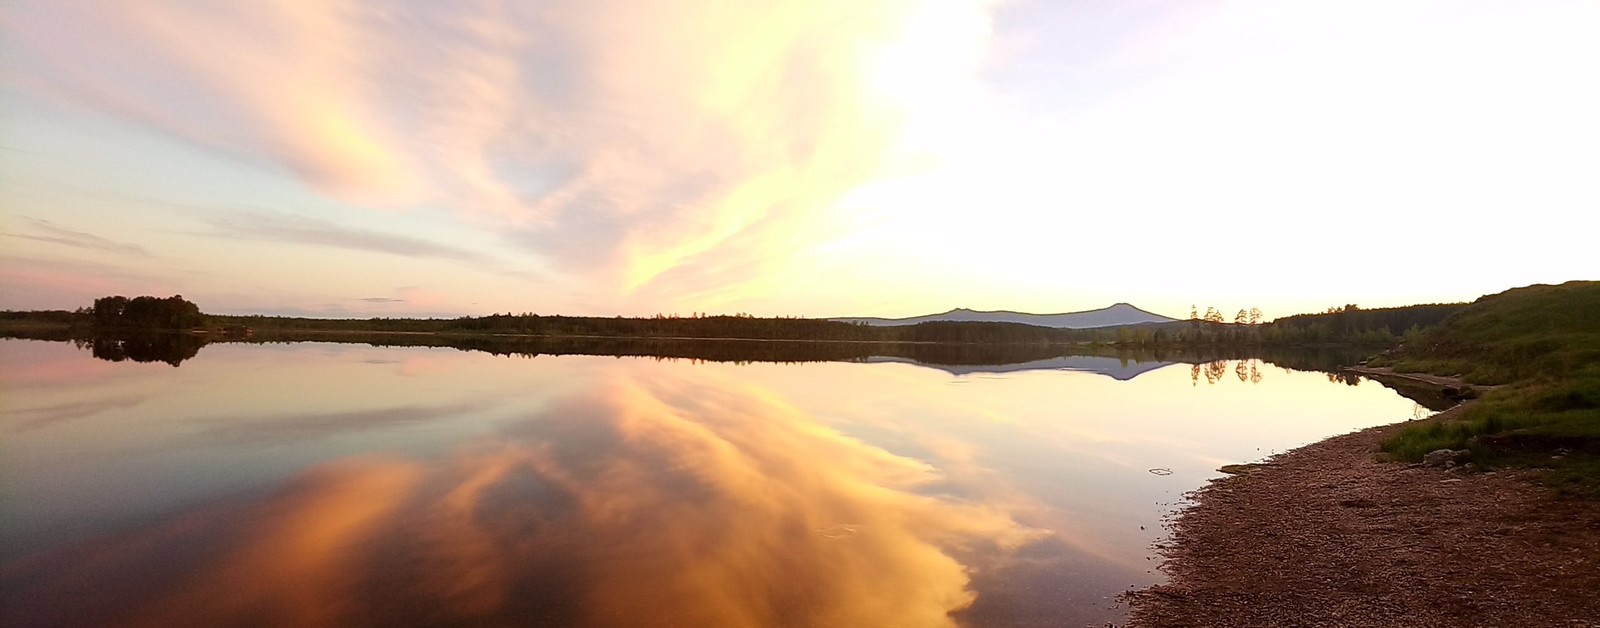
(1344, 325)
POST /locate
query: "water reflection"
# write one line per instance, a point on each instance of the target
(171, 348)
(617, 508)
(1245, 370)
(956, 358)
(338, 484)
(120, 345)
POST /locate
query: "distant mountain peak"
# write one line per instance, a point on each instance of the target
(1112, 316)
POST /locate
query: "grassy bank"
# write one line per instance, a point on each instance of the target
(1541, 344)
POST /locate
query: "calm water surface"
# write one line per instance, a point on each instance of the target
(342, 484)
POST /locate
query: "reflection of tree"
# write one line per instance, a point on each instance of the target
(172, 348)
(1340, 377)
(1246, 369)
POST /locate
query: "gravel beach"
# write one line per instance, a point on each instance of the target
(1332, 535)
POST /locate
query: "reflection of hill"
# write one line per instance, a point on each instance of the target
(1115, 368)
(712, 350)
(955, 358)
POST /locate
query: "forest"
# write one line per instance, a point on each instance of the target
(1347, 325)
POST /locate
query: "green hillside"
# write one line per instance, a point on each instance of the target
(1523, 333)
(1541, 344)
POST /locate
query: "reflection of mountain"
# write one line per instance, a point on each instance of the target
(1114, 368)
(1119, 314)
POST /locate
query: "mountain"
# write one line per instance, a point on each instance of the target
(1119, 314)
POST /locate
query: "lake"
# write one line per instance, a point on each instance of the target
(349, 484)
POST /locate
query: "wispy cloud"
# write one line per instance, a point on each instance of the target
(381, 300)
(679, 147)
(288, 228)
(42, 283)
(46, 231)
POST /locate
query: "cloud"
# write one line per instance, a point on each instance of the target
(668, 148)
(279, 227)
(51, 232)
(34, 283)
(381, 300)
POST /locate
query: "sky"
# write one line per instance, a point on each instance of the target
(360, 158)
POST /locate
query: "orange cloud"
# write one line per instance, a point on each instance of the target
(668, 150)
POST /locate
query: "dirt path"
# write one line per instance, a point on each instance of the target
(1328, 535)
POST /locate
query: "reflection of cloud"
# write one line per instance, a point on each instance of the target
(302, 230)
(51, 232)
(35, 418)
(301, 427)
(284, 562)
(41, 365)
(657, 505)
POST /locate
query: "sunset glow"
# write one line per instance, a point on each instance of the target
(813, 158)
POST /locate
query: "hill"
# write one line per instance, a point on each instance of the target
(1541, 345)
(1522, 333)
(1113, 316)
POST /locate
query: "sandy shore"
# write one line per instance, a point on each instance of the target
(1330, 535)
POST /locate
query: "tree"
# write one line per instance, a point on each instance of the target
(1242, 318)
(108, 310)
(147, 312)
(1255, 316)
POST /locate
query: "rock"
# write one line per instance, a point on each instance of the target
(1443, 457)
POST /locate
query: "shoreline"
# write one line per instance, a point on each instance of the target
(1330, 534)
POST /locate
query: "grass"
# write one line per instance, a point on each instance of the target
(1520, 334)
(1542, 343)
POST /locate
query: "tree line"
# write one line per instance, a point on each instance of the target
(1346, 325)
